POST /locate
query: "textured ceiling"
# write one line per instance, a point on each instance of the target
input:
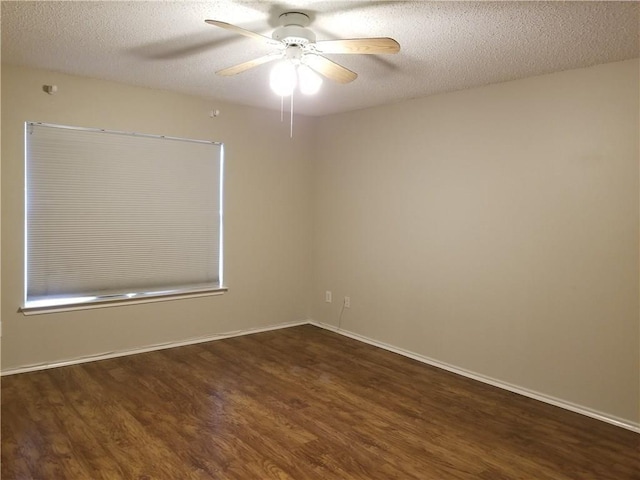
(445, 45)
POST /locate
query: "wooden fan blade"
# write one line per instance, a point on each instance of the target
(226, 72)
(329, 68)
(359, 45)
(242, 31)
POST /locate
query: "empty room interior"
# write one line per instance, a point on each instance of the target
(320, 240)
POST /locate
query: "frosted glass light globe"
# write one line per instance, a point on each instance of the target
(283, 78)
(310, 81)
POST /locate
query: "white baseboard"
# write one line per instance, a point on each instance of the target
(619, 422)
(150, 348)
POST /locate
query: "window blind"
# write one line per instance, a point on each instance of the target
(111, 213)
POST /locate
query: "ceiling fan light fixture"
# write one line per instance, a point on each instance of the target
(283, 78)
(310, 81)
(302, 58)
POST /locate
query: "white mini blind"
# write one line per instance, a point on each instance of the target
(111, 213)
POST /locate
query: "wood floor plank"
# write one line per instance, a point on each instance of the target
(145, 397)
(374, 424)
(293, 404)
(384, 420)
(64, 438)
(16, 452)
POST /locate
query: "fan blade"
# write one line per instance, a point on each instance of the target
(329, 68)
(242, 31)
(359, 45)
(226, 72)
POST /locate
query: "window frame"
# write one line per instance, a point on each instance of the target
(135, 295)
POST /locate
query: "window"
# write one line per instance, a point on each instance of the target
(112, 216)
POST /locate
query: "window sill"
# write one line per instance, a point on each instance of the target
(117, 301)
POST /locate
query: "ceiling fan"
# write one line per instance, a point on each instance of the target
(295, 43)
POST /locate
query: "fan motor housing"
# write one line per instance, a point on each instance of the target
(294, 35)
(293, 30)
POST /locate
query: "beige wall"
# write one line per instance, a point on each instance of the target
(494, 229)
(267, 228)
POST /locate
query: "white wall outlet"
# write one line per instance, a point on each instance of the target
(347, 302)
(327, 296)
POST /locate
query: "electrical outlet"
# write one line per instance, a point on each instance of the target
(347, 302)
(327, 296)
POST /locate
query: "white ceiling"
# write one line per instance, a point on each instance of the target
(445, 45)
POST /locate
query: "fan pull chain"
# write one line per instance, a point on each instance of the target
(291, 131)
(282, 109)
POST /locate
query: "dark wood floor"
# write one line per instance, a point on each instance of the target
(300, 403)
